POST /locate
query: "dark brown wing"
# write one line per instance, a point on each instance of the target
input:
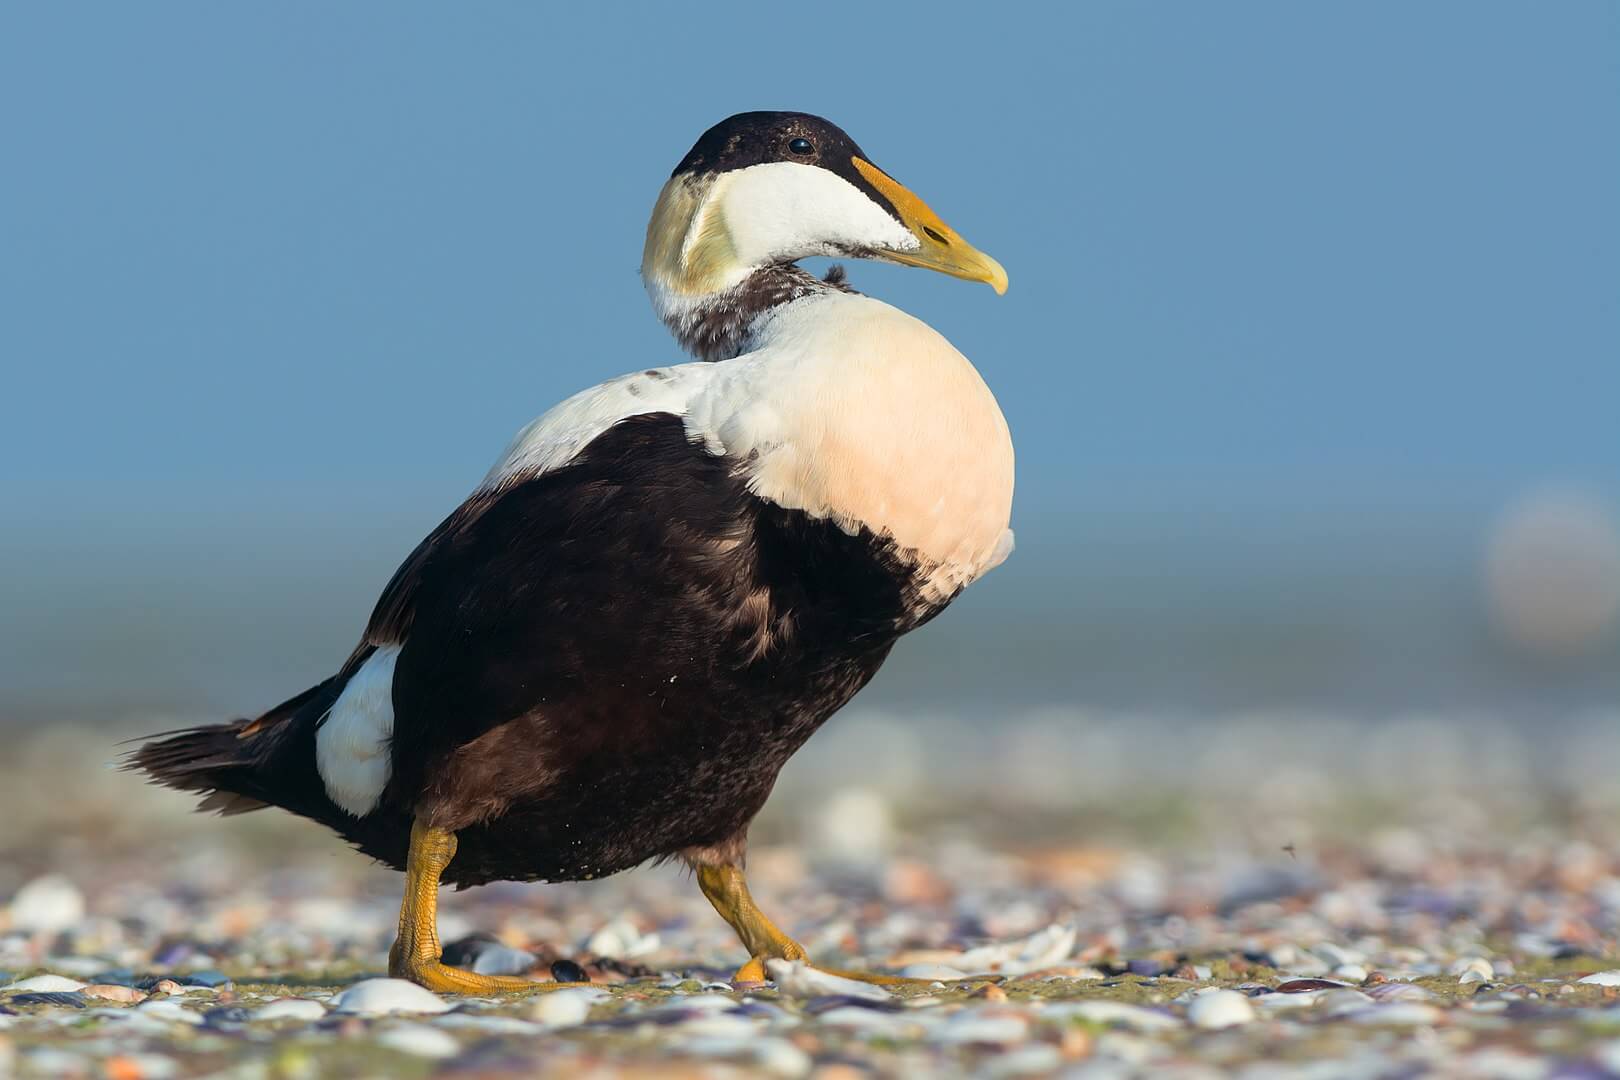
(391, 619)
(579, 593)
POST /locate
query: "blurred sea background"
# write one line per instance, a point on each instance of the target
(1311, 356)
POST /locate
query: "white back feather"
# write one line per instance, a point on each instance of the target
(851, 410)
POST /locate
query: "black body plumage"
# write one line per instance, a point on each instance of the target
(605, 664)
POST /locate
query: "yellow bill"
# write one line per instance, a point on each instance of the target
(940, 247)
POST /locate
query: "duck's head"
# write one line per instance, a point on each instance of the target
(764, 189)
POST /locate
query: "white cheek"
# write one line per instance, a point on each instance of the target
(783, 211)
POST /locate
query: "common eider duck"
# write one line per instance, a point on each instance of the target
(668, 582)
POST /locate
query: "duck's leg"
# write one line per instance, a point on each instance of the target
(416, 952)
(727, 890)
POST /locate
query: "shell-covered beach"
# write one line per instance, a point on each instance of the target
(1282, 923)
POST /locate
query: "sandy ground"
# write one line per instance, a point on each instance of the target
(1285, 924)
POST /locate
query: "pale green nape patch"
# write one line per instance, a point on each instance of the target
(689, 249)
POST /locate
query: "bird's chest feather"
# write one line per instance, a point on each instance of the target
(860, 414)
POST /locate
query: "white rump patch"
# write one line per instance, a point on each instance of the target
(352, 748)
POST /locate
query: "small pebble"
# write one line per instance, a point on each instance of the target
(490, 1024)
(379, 997)
(420, 1040)
(1220, 1009)
(864, 1018)
(502, 960)
(564, 1008)
(47, 1061)
(1400, 991)
(966, 1028)
(1116, 1014)
(620, 940)
(1300, 986)
(60, 1000)
(1342, 1002)
(141, 1067)
(567, 971)
(160, 986)
(113, 976)
(1402, 1014)
(224, 1015)
(208, 978)
(1037, 1059)
(779, 1057)
(685, 1004)
(165, 1009)
(1042, 949)
(795, 978)
(47, 984)
(290, 1009)
(48, 904)
(113, 992)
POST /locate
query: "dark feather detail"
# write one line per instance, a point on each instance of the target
(225, 804)
(755, 138)
(242, 766)
(198, 759)
(292, 706)
(605, 664)
(724, 324)
(391, 619)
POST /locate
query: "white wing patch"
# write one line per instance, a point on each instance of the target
(848, 410)
(352, 748)
(566, 428)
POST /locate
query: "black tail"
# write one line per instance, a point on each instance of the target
(269, 761)
(213, 760)
(248, 764)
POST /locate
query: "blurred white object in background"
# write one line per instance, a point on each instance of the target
(853, 826)
(50, 904)
(1552, 574)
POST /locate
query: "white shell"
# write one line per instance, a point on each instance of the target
(47, 984)
(1220, 1009)
(377, 997)
(420, 1040)
(795, 978)
(290, 1009)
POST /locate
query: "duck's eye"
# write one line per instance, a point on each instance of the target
(802, 147)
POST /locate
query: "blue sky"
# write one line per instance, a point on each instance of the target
(277, 282)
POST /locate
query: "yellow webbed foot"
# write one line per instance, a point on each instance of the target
(728, 892)
(435, 975)
(416, 952)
